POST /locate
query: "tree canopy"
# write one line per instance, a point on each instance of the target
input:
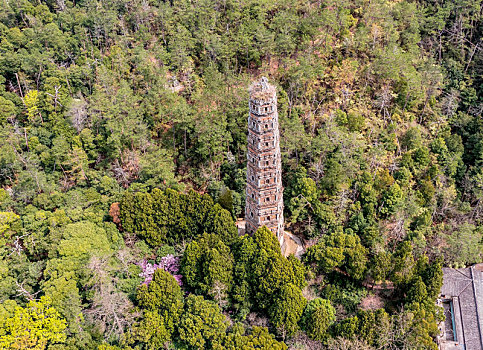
(123, 143)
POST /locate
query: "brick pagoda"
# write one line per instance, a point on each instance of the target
(264, 193)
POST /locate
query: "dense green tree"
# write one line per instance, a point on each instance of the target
(151, 331)
(339, 250)
(432, 276)
(318, 316)
(347, 328)
(286, 309)
(403, 263)
(7, 109)
(391, 198)
(169, 216)
(417, 291)
(380, 266)
(207, 267)
(164, 296)
(257, 338)
(201, 323)
(365, 325)
(219, 222)
(369, 322)
(269, 271)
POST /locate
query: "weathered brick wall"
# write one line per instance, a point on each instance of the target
(264, 192)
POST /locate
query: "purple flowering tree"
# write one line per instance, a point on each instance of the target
(168, 263)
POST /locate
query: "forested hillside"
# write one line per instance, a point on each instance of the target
(122, 171)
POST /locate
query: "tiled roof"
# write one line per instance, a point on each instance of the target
(465, 287)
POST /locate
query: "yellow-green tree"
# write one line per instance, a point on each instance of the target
(31, 101)
(34, 327)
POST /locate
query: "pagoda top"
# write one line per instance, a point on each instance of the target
(261, 90)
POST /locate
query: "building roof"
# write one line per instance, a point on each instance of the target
(261, 90)
(464, 287)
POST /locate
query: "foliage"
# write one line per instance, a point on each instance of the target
(201, 323)
(343, 292)
(207, 267)
(151, 331)
(365, 326)
(318, 316)
(36, 326)
(170, 217)
(168, 263)
(464, 245)
(144, 103)
(258, 338)
(339, 250)
(164, 296)
(286, 309)
(261, 270)
(308, 214)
